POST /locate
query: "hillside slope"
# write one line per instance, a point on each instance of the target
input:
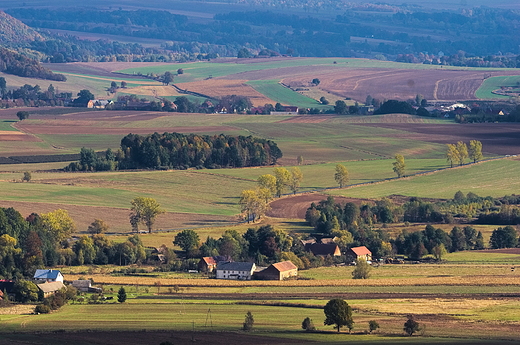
(13, 31)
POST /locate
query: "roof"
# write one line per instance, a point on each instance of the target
(209, 260)
(323, 249)
(361, 250)
(50, 286)
(235, 266)
(284, 266)
(46, 274)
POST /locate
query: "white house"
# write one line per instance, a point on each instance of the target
(42, 276)
(235, 270)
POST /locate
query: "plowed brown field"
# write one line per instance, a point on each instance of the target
(437, 84)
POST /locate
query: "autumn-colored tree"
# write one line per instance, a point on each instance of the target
(341, 176)
(452, 154)
(283, 179)
(59, 225)
(475, 150)
(145, 210)
(462, 150)
(98, 226)
(268, 182)
(399, 165)
(296, 179)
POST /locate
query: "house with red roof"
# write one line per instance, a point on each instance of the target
(356, 253)
(278, 271)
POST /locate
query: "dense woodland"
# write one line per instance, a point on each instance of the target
(480, 37)
(17, 64)
(180, 151)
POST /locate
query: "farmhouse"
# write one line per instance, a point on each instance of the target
(209, 263)
(278, 271)
(49, 288)
(235, 270)
(323, 249)
(42, 276)
(98, 103)
(356, 253)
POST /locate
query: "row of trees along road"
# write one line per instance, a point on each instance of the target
(458, 153)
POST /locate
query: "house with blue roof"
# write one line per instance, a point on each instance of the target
(42, 276)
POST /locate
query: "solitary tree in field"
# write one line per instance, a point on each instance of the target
(167, 78)
(121, 295)
(248, 322)
(372, 325)
(22, 115)
(341, 175)
(475, 150)
(300, 160)
(462, 150)
(338, 313)
(411, 326)
(399, 165)
(145, 210)
(26, 177)
(308, 325)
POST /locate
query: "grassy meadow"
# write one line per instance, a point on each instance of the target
(494, 83)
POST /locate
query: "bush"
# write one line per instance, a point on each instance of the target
(372, 326)
(248, 322)
(42, 309)
(308, 325)
(362, 270)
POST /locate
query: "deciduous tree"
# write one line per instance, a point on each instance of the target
(341, 176)
(462, 150)
(362, 270)
(249, 321)
(475, 150)
(26, 177)
(22, 115)
(338, 313)
(58, 224)
(411, 326)
(98, 226)
(145, 210)
(283, 179)
(268, 182)
(399, 165)
(296, 179)
(187, 239)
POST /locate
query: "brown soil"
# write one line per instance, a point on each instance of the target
(381, 83)
(496, 138)
(502, 251)
(143, 337)
(296, 206)
(117, 218)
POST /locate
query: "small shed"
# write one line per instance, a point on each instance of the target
(49, 288)
(278, 271)
(235, 270)
(362, 252)
(82, 285)
(41, 276)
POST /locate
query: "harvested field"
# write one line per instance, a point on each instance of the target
(218, 87)
(16, 136)
(104, 69)
(117, 218)
(496, 138)
(402, 84)
(501, 251)
(296, 206)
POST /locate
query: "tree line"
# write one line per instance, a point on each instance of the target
(181, 151)
(22, 66)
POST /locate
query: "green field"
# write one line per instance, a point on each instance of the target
(6, 125)
(278, 93)
(493, 178)
(494, 83)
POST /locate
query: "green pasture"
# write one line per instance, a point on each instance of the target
(493, 178)
(494, 83)
(490, 264)
(270, 321)
(278, 93)
(6, 125)
(176, 191)
(319, 176)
